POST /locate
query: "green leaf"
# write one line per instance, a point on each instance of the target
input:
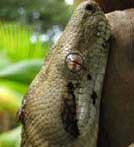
(19, 42)
(11, 138)
(23, 71)
(11, 89)
(18, 88)
(9, 101)
(4, 60)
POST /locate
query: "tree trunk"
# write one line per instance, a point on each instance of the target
(117, 107)
(111, 5)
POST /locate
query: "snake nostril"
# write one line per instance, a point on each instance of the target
(89, 7)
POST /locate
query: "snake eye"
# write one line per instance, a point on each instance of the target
(74, 62)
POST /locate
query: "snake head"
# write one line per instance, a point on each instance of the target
(62, 104)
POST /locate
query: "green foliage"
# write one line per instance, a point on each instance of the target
(21, 59)
(16, 41)
(11, 138)
(8, 101)
(23, 71)
(20, 62)
(14, 86)
(22, 52)
(42, 13)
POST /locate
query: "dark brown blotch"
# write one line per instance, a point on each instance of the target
(94, 97)
(69, 112)
(89, 77)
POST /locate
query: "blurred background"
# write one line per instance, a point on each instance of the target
(28, 28)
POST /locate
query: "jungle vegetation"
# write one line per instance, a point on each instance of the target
(27, 31)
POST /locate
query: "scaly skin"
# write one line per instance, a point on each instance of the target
(61, 108)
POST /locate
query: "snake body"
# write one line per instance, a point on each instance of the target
(61, 108)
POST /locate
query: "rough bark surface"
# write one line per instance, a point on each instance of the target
(111, 5)
(117, 109)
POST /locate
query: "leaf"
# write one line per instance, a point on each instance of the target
(16, 87)
(11, 138)
(9, 102)
(20, 42)
(4, 60)
(23, 71)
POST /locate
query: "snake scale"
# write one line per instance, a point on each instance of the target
(61, 107)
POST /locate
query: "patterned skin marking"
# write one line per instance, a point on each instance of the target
(89, 77)
(94, 97)
(69, 112)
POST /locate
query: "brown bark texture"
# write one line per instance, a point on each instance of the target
(117, 106)
(111, 5)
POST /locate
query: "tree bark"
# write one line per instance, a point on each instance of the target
(117, 107)
(111, 5)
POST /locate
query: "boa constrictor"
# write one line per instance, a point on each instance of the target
(61, 108)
